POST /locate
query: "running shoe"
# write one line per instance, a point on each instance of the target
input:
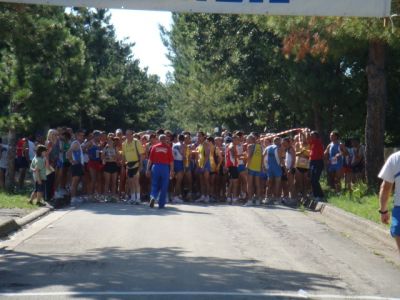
(152, 201)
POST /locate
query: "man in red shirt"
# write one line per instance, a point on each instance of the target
(316, 164)
(161, 163)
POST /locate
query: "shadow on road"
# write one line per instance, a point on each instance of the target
(149, 269)
(136, 210)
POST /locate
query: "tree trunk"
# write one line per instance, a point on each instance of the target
(317, 117)
(376, 109)
(10, 176)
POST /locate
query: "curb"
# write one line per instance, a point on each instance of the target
(358, 224)
(15, 224)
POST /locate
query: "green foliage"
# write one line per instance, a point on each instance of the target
(15, 201)
(234, 70)
(68, 68)
(359, 192)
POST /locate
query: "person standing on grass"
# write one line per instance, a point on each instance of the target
(38, 168)
(316, 163)
(160, 168)
(390, 174)
(3, 163)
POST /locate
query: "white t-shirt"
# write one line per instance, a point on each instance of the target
(176, 151)
(391, 173)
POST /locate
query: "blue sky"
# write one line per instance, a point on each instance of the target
(141, 27)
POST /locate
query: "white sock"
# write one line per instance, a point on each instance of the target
(138, 196)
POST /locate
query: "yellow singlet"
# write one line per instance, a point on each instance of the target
(256, 159)
(187, 156)
(201, 160)
(213, 164)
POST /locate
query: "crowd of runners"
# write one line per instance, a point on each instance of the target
(229, 167)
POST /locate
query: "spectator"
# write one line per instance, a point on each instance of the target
(38, 168)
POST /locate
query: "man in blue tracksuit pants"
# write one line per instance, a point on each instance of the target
(161, 164)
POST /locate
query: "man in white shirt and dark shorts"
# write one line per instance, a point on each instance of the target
(390, 174)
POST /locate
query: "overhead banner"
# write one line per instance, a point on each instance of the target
(355, 8)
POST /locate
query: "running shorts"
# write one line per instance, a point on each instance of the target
(77, 170)
(39, 188)
(274, 172)
(96, 165)
(178, 166)
(241, 168)
(253, 173)
(132, 168)
(395, 226)
(233, 173)
(111, 167)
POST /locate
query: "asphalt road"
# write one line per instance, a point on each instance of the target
(114, 251)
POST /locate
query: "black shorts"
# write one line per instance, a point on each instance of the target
(302, 170)
(39, 188)
(357, 168)
(284, 175)
(233, 173)
(132, 168)
(111, 168)
(77, 170)
(66, 164)
(21, 163)
(221, 171)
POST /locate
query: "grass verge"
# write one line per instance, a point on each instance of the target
(366, 207)
(15, 201)
(360, 202)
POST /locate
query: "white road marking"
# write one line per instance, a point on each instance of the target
(188, 293)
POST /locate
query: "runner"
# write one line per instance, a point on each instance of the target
(109, 158)
(221, 179)
(161, 168)
(21, 161)
(52, 162)
(289, 191)
(178, 153)
(334, 153)
(302, 166)
(276, 160)
(203, 167)
(188, 166)
(65, 173)
(75, 156)
(390, 174)
(95, 167)
(132, 153)
(231, 161)
(241, 149)
(254, 165)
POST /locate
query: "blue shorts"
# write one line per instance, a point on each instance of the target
(143, 169)
(335, 168)
(395, 226)
(206, 168)
(253, 173)
(274, 172)
(178, 166)
(263, 175)
(241, 168)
